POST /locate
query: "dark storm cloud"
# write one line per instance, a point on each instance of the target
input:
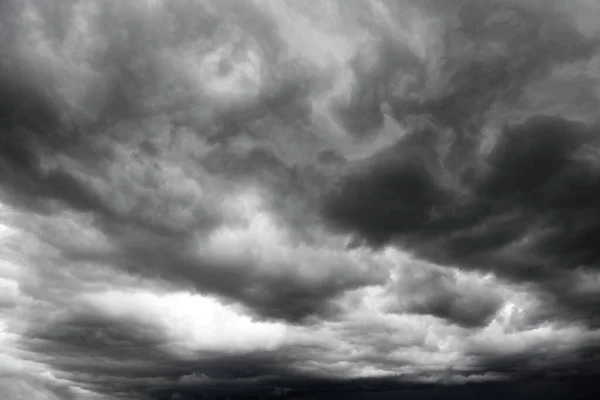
(577, 388)
(572, 388)
(569, 363)
(528, 213)
(441, 294)
(133, 135)
(30, 123)
(525, 210)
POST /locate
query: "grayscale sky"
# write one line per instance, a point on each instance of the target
(297, 198)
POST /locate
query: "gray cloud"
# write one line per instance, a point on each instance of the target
(528, 216)
(517, 209)
(427, 291)
(201, 198)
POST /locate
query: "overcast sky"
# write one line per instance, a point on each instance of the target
(296, 198)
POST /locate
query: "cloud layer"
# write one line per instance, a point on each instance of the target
(266, 198)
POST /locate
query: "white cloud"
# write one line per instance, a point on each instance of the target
(189, 322)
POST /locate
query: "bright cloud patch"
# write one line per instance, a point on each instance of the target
(190, 322)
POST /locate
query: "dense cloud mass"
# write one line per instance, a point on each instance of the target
(275, 199)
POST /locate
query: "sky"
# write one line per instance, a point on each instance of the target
(363, 199)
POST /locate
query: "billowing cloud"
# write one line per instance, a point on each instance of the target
(264, 198)
(523, 211)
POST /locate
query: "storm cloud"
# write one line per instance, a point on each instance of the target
(263, 199)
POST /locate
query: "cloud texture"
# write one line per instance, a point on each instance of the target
(283, 199)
